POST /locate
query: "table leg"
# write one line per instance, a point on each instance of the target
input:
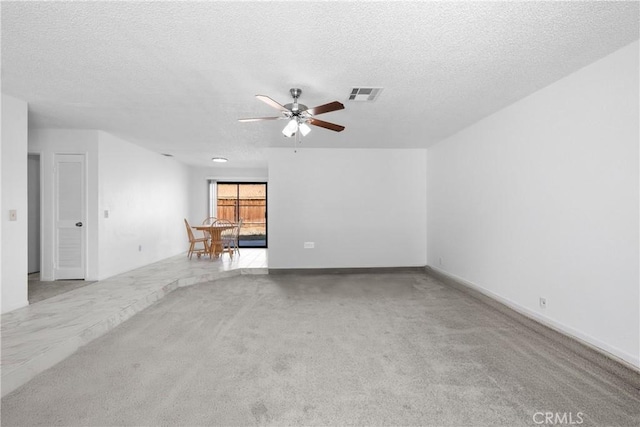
(216, 243)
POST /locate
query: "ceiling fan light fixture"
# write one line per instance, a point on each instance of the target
(304, 128)
(219, 160)
(291, 128)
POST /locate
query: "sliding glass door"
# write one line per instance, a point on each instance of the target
(246, 201)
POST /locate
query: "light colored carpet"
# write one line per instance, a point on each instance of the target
(357, 349)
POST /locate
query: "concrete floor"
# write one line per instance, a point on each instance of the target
(364, 349)
(41, 290)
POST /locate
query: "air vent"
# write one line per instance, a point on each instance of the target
(365, 93)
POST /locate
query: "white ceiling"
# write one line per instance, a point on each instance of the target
(175, 76)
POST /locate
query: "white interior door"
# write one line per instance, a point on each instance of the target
(70, 217)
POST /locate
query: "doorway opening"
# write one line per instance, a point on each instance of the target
(33, 213)
(246, 201)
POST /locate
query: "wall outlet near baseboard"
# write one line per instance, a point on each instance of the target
(309, 245)
(440, 261)
(543, 302)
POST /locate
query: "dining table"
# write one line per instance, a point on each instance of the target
(215, 233)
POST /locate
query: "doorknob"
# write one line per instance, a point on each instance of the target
(78, 224)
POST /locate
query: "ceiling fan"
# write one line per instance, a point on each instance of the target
(299, 116)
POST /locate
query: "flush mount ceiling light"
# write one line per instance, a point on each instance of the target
(299, 116)
(219, 160)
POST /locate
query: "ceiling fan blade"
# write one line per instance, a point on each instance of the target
(259, 119)
(326, 108)
(326, 125)
(271, 102)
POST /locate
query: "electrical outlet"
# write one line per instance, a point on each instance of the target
(106, 213)
(139, 248)
(309, 245)
(440, 261)
(543, 302)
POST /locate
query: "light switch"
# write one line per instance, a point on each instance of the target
(13, 215)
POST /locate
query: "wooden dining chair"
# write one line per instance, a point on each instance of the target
(208, 221)
(219, 240)
(193, 242)
(232, 242)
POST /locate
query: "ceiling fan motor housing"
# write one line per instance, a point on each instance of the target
(294, 107)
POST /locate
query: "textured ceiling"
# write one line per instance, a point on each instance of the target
(175, 76)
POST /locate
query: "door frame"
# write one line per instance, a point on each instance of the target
(213, 204)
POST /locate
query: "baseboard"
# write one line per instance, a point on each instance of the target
(556, 333)
(348, 270)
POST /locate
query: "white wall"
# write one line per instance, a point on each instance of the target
(541, 200)
(13, 183)
(147, 196)
(199, 186)
(362, 208)
(48, 142)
